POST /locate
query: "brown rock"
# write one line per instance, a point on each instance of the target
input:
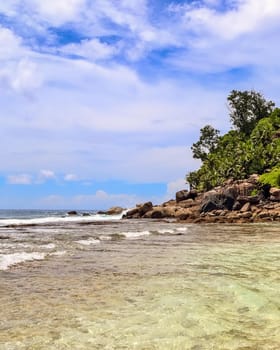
(114, 211)
(274, 194)
(245, 188)
(245, 215)
(171, 202)
(133, 213)
(144, 208)
(184, 194)
(251, 199)
(245, 207)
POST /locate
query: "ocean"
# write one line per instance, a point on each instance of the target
(99, 282)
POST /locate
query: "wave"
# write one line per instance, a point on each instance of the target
(88, 241)
(9, 260)
(59, 220)
(134, 235)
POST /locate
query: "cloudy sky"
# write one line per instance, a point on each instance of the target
(102, 99)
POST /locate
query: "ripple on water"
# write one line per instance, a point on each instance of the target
(211, 287)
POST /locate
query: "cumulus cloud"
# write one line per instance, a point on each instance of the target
(56, 12)
(21, 179)
(98, 200)
(175, 186)
(28, 179)
(45, 175)
(90, 49)
(23, 77)
(245, 17)
(70, 177)
(10, 44)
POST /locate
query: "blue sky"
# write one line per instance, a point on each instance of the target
(101, 100)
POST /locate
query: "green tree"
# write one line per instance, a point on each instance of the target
(207, 142)
(247, 108)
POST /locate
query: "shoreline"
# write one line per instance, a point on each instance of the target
(237, 201)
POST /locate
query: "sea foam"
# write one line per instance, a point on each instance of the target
(58, 220)
(134, 235)
(88, 242)
(7, 260)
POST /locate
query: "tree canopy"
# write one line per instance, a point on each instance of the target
(247, 108)
(253, 146)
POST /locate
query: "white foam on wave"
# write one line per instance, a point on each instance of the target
(15, 245)
(182, 229)
(8, 260)
(54, 219)
(164, 231)
(134, 235)
(88, 241)
(48, 246)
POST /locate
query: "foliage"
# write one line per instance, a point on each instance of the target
(238, 154)
(247, 108)
(271, 178)
(254, 192)
(207, 142)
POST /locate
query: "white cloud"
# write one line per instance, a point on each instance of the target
(45, 175)
(21, 179)
(56, 12)
(90, 49)
(99, 200)
(10, 45)
(241, 17)
(175, 186)
(8, 7)
(70, 177)
(24, 78)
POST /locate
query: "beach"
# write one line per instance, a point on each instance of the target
(139, 284)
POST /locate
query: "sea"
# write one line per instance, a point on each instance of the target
(92, 281)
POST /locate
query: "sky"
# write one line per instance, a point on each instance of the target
(101, 100)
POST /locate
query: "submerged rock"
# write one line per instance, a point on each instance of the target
(72, 212)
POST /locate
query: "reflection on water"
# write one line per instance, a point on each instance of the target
(207, 287)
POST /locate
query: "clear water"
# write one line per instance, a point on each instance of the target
(140, 285)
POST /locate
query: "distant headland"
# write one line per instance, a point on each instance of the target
(239, 179)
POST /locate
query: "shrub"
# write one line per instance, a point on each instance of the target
(272, 178)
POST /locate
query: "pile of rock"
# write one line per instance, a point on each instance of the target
(235, 201)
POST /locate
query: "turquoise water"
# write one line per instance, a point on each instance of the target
(142, 285)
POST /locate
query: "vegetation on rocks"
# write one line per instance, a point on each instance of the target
(251, 147)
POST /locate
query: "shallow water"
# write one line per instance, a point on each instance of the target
(141, 285)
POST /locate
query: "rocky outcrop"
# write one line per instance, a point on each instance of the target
(235, 201)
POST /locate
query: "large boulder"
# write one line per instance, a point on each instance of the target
(184, 194)
(248, 199)
(132, 214)
(245, 188)
(144, 208)
(215, 201)
(274, 194)
(114, 211)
